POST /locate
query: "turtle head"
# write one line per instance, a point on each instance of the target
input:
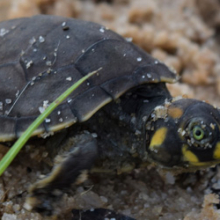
(184, 133)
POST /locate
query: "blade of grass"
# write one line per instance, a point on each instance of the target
(14, 150)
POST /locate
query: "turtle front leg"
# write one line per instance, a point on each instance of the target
(72, 167)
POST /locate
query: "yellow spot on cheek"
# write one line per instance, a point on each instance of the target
(158, 138)
(189, 155)
(175, 112)
(216, 154)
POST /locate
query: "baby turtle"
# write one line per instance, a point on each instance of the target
(121, 117)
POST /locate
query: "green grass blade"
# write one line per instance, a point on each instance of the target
(14, 150)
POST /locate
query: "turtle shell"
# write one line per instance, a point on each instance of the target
(41, 56)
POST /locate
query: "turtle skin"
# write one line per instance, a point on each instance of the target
(120, 118)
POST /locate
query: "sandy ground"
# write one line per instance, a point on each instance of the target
(185, 35)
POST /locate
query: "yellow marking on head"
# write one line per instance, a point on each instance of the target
(216, 154)
(158, 138)
(189, 156)
(175, 112)
(194, 160)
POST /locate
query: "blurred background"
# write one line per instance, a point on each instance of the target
(185, 34)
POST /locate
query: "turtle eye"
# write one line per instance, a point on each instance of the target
(198, 133)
